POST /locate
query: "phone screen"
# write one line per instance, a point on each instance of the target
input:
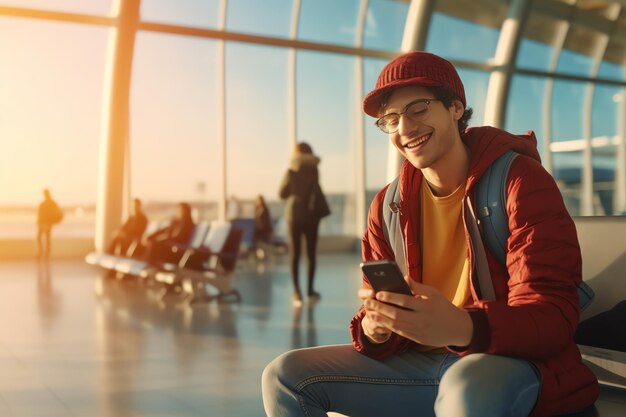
(385, 275)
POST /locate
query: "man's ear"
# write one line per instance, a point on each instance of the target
(457, 109)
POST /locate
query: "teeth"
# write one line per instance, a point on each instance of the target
(418, 142)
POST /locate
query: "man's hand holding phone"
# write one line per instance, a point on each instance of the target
(383, 276)
(427, 317)
(375, 332)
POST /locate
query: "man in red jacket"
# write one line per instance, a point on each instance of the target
(451, 350)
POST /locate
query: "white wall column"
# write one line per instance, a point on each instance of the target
(504, 60)
(221, 110)
(559, 41)
(292, 99)
(115, 120)
(359, 131)
(619, 198)
(586, 186)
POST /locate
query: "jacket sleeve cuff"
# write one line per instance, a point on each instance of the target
(481, 336)
(373, 350)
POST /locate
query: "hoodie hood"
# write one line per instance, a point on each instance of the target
(303, 161)
(486, 144)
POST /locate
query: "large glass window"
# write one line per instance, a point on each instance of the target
(99, 8)
(476, 84)
(577, 54)
(454, 38)
(567, 171)
(51, 79)
(571, 62)
(605, 111)
(376, 142)
(326, 112)
(258, 145)
(175, 153)
(267, 17)
(384, 24)
(534, 55)
(525, 110)
(205, 13)
(329, 21)
(537, 45)
(604, 167)
(612, 71)
(604, 124)
(567, 110)
(613, 57)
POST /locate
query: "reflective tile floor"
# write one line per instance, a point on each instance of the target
(73, 343)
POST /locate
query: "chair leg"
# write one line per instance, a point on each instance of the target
(164, 291)
(232, 296)
(197, 293)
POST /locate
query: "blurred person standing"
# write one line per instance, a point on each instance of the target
(48, 214)
(131, 231)
(305, 206)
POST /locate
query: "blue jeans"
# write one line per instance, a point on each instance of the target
(310, 382)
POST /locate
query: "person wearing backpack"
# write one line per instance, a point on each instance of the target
(48, 214)
(301, 190)
(494, 343)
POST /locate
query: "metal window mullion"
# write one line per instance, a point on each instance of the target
(505, 58)
(586, 188)
(414, 38)
(587, 206)
(619, 204)
(51, 15)
(292, 97)
(561, 35)
(359, 134)
(115, 120)
(221, 109)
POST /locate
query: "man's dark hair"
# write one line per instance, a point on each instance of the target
(447, 97)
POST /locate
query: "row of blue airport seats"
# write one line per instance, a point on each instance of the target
(201, 270)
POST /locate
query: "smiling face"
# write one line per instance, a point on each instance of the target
(426, 144)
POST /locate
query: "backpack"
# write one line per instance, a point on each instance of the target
(491, 224)
(57, 215)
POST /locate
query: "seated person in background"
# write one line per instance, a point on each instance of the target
(131, 231)
(162, 244)
(262, 226)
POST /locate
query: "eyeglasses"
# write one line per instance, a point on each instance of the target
(417, 111)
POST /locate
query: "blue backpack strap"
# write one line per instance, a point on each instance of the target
(491, 205)
(494, 220)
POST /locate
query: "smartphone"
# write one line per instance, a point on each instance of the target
(385, 275)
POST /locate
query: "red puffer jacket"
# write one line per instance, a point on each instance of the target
(536, 310)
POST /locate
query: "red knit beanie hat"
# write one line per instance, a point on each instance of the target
(415, 68)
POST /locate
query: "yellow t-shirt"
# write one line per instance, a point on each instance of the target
(444, 249)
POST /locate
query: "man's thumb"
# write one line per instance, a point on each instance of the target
(422, 289)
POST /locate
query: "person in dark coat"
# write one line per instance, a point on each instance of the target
(160, 244)
(48, 214)
(131, 231)
(297, 188)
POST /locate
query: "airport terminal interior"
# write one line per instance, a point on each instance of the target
(201, 102)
